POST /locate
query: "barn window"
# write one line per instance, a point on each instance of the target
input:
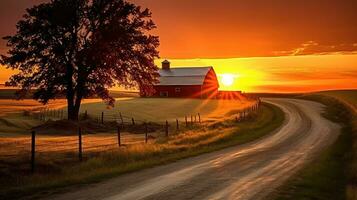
(164, 94)
(177, 89)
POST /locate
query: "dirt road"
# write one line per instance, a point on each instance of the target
(248, 171)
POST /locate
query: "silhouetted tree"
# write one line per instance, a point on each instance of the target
(80, 48)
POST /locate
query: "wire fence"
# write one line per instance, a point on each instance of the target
(83, 145)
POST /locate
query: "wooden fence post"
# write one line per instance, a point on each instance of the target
(191, 120)
(186, 121)
(80, 156)
(102, 117)
(177, 125)
(119, 139)
(195, 118)
(86, 114)
(199, 118)
(33, 150)
(167, 129)
(133, 121)
(121, 118)
(146, 132)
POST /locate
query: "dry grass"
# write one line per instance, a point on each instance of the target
(161, 109)
(53, 172)
(8, 106)
(57, 156)
(13, 122)
(14, 147)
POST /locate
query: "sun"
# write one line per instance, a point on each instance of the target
(227, 79)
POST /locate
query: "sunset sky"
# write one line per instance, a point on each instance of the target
(268, 45)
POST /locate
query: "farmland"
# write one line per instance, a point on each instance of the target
(57, 155)
(65, 169)
(159, 110)
(13, 122)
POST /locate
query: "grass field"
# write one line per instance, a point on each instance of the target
(334, 174)
(13, 122)
(161, 109)
(6, 93)
(348, 97)
(58, 173)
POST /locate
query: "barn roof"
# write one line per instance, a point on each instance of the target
(183, 76)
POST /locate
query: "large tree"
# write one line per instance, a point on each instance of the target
(80, 48)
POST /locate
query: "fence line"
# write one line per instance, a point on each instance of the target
(84, 142)
(102, 117)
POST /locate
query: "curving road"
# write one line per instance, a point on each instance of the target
(248, 171)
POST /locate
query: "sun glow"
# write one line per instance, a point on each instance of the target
(227, 79)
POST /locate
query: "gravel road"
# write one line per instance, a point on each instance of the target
(250, 171)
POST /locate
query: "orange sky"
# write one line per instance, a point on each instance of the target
(285, 73)
(269, 32)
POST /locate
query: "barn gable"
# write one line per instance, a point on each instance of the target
(183, 76)
(189, 82)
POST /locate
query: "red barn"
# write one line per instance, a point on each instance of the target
(189, 82)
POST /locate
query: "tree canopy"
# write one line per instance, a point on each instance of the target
(81, 48)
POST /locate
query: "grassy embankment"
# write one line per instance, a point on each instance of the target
(135, 157)
(333, 175)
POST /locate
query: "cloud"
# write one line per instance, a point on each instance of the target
(315, 48)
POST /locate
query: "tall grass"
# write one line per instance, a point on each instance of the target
(136, 157)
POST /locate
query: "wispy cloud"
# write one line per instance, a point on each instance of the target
(315, 48)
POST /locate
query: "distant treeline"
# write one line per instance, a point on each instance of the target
(10, 94)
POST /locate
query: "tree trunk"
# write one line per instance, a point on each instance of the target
(74, 107)
(78, 100)
(73, 113)
(77, 107)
